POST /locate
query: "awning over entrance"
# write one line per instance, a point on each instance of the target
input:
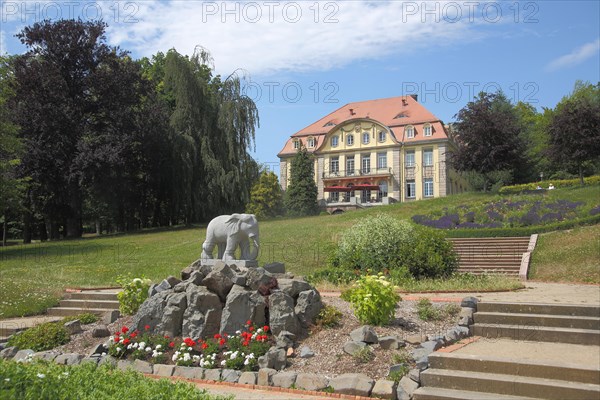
(365, 187)
(338, 189)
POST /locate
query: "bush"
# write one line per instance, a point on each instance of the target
(364, 355)
(329, 317)
(385, 244)
(515, 189)
(427, 312)
(373, 300)
(42, 337)
(41, 380)
(134, 293)
(84, 319)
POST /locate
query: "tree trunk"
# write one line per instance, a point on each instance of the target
(581, 174)
(98, 228)
(27, 227)
(4, 230)
(43, 231)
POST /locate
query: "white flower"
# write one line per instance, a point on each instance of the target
(246, 361)
(142, 345)
(148, 349)
(7, 379)
(129, 346)
(103, 354)
(249, 356)
(186, 357)
(190, 349)
(134, 345)
(137, 280)
(158, 347)
(223, 362)
(259, 330)
(119, 349)
(238, 332)
(174, 358)
(41, 376)
(196, 357)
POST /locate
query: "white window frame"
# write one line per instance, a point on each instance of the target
(335, 141)
(350, 140)
(427, 130)
(428, 163)
(411, 194)
(382, 185)
(350, 165)
(410, 132)
(311, 142)
(380, 157)
(334, 164)
(406, 163)
(296, 144)
(366, 138)
(365, 164)
(381, 136)
(428, 187)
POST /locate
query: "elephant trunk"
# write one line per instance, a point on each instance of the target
(255, 248)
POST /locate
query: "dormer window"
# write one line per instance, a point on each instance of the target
(366, 137)
(427, 130)
(350, 140)
(400, 115)
(335, 141)
(410, 132)
(311, 142)
(296, 144)
(381, 136)
(330, 123)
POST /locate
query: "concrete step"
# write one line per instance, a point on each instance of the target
(489, 270)
(68, 311)
(491, 239)
(540, 308)
(507, 366)
(512, 385)
(537, 333)
(12, 325)
(85, 304)
(490, 261)
(557, 321)
(93, 295)
(434, 393)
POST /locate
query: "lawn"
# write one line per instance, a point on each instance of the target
(33, 277)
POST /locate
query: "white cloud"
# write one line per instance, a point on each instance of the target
(577, 56)
(3, 48)
(338, 35)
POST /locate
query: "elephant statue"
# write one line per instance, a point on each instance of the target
(229, 231)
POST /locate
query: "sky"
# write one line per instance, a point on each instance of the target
(303, 59)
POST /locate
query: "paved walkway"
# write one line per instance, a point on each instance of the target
(241, 393)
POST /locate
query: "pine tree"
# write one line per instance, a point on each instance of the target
(266, 197)
(301, 195)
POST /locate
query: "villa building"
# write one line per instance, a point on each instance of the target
(376, 152)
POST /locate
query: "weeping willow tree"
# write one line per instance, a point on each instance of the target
(212, 127)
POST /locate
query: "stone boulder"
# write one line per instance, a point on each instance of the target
(242, 305)
(308, 307)
(352, 384)
(364, 334)
(202, 317)
(172, 317)
(293, 287)
(220, 280)
(282, 316)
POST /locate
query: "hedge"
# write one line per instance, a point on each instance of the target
(561, 183)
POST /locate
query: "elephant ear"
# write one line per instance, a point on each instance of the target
(234, 222)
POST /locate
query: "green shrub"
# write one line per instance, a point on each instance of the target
(43, 337)
(563, 183)
(134, 293)
(41, 380)
(363, 355)
(427, 312)
(385, 244)
(395, 376)
(329, 317)
(373, 299)
(84, 318)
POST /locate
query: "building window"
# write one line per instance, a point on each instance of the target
(428, 187)
(427, 130)
(350, 165)
(350, 140)
(334, 165)
(296, 144)
(409, 159)
(383, 189)
(410, 189)
(311, 142)
(428, 158)
(334, 197)
(366, 137)
(410, 132)
(366, 164)
(334, 141)
(381, 136)
(381, 160)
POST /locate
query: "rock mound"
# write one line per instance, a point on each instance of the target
(221, 298)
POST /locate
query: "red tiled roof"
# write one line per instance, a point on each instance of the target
(385, 111)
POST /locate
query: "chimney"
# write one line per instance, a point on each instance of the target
(352, 111)
(415, 96)
(404, 102)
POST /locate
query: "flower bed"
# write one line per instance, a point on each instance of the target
(240, 351)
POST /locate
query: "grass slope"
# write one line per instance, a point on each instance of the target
(33, 277)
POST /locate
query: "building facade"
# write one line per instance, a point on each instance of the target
(376, 152)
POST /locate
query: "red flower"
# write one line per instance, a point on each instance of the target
(166, 337)
(125, 329)
(147, 327)
(217, 336)
(126, 342)
(248, 322)
(246, 343)
(222, 342)
(133, 335)
(189, 342)
(251, 329)
(172, 344)
(266, 328)
(204, 346)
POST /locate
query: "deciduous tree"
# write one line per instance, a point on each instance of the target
(301, 194)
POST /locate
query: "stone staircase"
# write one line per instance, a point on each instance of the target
(481, 376)
(466, 376)
(575, 324)
(502, 255)
(86, 301)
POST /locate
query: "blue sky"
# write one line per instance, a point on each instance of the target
(309, 58)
